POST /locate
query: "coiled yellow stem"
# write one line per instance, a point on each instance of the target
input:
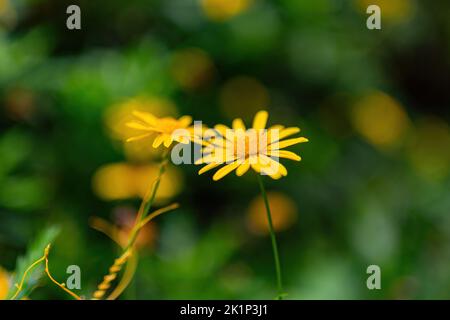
(113, 270)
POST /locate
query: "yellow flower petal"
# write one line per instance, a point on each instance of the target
(260, 120)
(183, 139)
(243, 168)
(158, 140)
(219, 141)
(146, 117)
(270, 166)
(139, 126)
(286, 143)
(222, 129)
(285, 154)
(185, 121)
(139, 137)
(256, 166)
(238, 124)
(288, 132)
(276, 127)
(167, 140)
(208, 167)
(282, 169)
(275, 176)
(215, 157)
(222, 172)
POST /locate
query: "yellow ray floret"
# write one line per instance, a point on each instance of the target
(166, 130)
(258, 148)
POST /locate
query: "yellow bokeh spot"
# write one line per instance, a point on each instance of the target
(120, 181)
(380, 119)
(4, 284)
(192, 68)
(429, 150)
(391, 10)
(116, 119)
(222, 10)
(283, 210)
(242, 97)
(3, 5)
(8, 14)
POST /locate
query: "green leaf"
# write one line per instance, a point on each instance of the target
(15, 147)
(34, 252)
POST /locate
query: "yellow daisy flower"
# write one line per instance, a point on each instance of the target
(241, 149)
(167, 129)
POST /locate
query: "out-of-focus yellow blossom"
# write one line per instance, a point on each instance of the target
(381, 120)
(221, 10)
(242, 97)
(192, 68)
(3, 5)
(117, 116)
(391, 10)
(164, 130)
(124, 181)
(8, 14)
(283, 210)
(4, 284)
(257, 148)
(429, 149)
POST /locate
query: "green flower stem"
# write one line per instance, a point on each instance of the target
(148, 200)
(273, 238)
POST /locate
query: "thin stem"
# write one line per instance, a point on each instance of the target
(273, 238)
(61, 285)
(148, 200)
(141, 219)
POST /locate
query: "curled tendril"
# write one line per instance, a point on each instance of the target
(47, 271)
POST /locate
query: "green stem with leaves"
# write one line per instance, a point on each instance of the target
(273, 239)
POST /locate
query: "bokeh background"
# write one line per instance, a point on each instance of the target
(372, 188)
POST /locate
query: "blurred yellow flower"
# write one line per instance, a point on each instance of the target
(282, 208)
(391, 10)
(117, 116)
(258, 148)
(221, 10)
(125, 181)
(243, 96)
(3, 5)
(4, 284)
(192, 68)
(164, 128)
(380, 119)
(8, 14)
(429, 148)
